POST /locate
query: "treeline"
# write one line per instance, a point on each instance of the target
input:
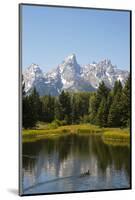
(105, 107)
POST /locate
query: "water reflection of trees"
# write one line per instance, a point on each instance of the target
(82, 146)
(118, 156)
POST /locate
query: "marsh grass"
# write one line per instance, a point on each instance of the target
(116, 133)
(109, 135)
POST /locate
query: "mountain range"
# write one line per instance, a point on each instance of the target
(70, 76)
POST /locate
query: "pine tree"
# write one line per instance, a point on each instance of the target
(84, 103)
(51, 108)
(115, 112)
(57, 110)
(74, 109)
(102, 93)
(126, 103)
(102, 113)
(65, 105)
(92, 108)
(116, 106)
(47, 108)
(117, 87)
(75, 102)
(31, 106)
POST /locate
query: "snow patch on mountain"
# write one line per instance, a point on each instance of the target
(70, 76)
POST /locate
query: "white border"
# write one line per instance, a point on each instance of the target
(9, 98)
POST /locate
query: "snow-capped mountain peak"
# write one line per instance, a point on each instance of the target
(70, 59)
(31, 76)
(105, 62)
(69, 65)
(69, 75)
(34, 67)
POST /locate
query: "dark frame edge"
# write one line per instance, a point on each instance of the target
(69, 6)
(74, 192)
(20, 193)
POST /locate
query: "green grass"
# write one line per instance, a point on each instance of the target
(116, 136)
(44, 131)
(116, 133)
(38, 134)
(109, 135)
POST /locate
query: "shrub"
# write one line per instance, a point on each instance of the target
(56, 123)
(53, 125)
(85, 119)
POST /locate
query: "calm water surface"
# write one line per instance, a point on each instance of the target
(55, 165)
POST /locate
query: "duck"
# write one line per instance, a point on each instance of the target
(85, 173)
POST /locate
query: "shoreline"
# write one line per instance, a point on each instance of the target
(109, 135)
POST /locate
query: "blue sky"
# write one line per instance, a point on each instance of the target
(50, 34)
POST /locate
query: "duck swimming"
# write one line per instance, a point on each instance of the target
(85, 173)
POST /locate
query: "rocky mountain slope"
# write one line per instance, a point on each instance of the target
(70, 76)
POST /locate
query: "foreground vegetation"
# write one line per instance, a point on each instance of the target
(46, 130)
(116, 136)
(109, 135)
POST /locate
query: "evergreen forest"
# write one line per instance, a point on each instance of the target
(104, 107)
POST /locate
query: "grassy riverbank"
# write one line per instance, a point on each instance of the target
(46, 131)
(116, 136)
(116, 133)
(109, 135)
